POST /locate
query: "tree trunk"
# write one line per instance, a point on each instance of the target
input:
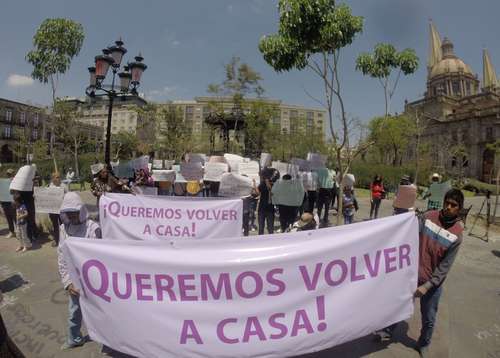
(77, 169)
(52, 139)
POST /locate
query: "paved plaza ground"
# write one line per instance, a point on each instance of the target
(35, 304)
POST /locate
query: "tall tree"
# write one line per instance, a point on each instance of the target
(55, 44)
(311, 35)
(240, 81)
(381, 63)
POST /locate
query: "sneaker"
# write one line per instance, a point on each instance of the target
(11, 235)
(67, 345)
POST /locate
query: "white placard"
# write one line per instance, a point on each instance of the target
(164, 175)
(250, 169)
(234, 185)
(265, 160)
(191, 171)
(157, 164)
(48, 200)
(214, 171)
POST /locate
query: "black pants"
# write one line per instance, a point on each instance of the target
(29, 201)
(246, 223)
(334, 193)
(56, 222)
(375, 205)
(266, 216)
(312, 196)
(8, 210)
(324, 202)
(288, 215)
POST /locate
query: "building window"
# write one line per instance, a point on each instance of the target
(489, 134)
(35, 134)
(7, 132)
(8, 115)
(294, 114)
(468, 88)
(189, 112)
(456, 88)
(35, 120)
(22, 118)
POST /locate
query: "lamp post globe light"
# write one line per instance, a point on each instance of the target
(130, 79)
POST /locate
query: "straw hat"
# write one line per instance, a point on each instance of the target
(305, 219)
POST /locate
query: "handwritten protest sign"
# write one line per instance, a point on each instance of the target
(233, 160)
(214, 171)
(250, 169)
(191, 171)
(157, 164)
(279, 296)
(265, 160)
(145, 190)
(48, 200)
(140, 163)
(169, 164)
(217, 159)
(234, 185)
(163, 217)
(5, 190)
(164, 175)
(316, 160)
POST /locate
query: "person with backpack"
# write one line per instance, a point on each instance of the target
(349, 205)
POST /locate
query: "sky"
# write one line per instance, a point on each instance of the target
(186, 43)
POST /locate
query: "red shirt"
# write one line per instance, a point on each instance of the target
(377, 190)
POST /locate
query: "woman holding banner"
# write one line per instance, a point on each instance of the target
(104, 182)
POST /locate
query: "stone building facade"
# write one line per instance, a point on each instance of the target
(459, 116)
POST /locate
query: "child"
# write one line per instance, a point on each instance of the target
(348, 205)
(21, 223)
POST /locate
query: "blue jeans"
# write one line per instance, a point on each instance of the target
(74, 320)
(428, 310)
(348, 219)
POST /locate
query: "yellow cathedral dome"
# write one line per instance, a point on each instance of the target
(450, 63)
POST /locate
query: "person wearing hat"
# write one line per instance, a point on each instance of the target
(105, 182)
(8, 210)
(75, 223)
(405, 196)
(306, 222)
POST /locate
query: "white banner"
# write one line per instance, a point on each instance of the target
(48, 200)
(145, 218)
(265, 160)
(278, 296)
(214, 171)
(235, 185)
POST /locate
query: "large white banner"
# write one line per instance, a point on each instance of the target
(125, 216)
(278, 296)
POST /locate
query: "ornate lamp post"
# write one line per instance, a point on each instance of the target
(130, 79)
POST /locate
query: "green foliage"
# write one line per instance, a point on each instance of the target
(55, 43)
(384, 59)
(365, 172)
(124, 145)
(307, 28)
(391, 136)
(260, 131)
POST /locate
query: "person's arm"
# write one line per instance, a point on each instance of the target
(442, 270)
(23, 214)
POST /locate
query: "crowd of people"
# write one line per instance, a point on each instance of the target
(301, 203)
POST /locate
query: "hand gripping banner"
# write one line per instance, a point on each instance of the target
(274, 296)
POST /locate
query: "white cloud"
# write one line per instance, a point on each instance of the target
(161, 93)
(15, 80)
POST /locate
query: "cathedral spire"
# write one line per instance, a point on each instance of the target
(489, 74)
(435, 51)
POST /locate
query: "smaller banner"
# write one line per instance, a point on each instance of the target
(235, 185)
(48, 200)
(214, 171)
(164, 175)
(5, 190)
(191, 171)
(140, 217)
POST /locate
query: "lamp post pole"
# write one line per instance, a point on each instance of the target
(129, 82)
